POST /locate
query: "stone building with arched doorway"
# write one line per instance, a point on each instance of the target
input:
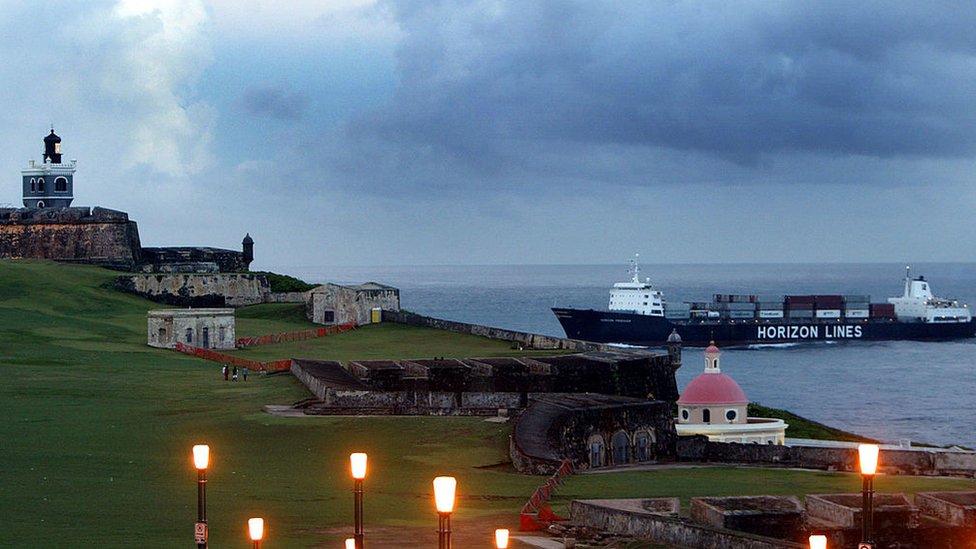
(592, 431)
(205, 328)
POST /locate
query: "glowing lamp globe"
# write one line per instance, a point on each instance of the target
(358, 462)
(201, 456)
(350, 543)
(868, 455)
(444, 488)
(501, 538)
(255, 527)
(818, 542)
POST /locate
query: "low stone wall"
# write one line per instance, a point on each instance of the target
(922, 462)
(629, 518)
(522, 339)
(409, 402)
(197, 290)
(285, 297)
(314, 384)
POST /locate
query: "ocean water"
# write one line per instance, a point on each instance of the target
(892, 391)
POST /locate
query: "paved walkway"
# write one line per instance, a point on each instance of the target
(534, 541)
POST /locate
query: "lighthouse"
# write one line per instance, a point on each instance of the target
(50, 183)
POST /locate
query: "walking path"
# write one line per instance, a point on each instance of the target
(545, 543)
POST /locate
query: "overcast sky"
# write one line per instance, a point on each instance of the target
(362, 132)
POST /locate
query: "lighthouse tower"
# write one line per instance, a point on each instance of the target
(49, 184)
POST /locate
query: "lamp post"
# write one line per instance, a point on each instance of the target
(255, 527)
(201, 458)
(444, 488)
(868, 457)
(818, 542)
(350, 543)
(357, 462)
(501, 538)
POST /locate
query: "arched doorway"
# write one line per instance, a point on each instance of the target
(621, 448)
(597, 449)
(644, 446)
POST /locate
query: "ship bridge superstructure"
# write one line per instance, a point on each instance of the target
(635, 296)
(919, 305)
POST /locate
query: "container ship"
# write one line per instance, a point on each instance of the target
(639, 315)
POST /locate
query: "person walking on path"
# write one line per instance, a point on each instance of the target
(226, 372)
(245, 373)
(234, 376)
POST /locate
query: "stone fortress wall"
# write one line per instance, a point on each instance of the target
(200, 290)
(77, 234)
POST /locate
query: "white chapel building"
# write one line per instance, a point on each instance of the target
(714, 405)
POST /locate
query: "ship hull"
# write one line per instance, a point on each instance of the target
(644, 330)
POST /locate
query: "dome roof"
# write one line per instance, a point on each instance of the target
(712, 349)
(52, 138)
(674, 337)
(713, 388)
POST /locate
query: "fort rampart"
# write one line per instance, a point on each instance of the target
(198, 290)
(86, 235)
(632, 518)
(522, 339)
(916, 461)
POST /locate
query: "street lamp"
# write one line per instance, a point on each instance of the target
(357, 462)
(444, 488)
(255, 527)
(350, 543)
(501, 538)
(868, 457)
(201, 458)
(818, 542)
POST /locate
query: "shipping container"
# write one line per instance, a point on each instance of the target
(740, 306)
(771, 306)
(857, 299)
(829, 301)
(798, 299)
(857, 313)
(771, 314)
(742, 315)
(769, 298)
(799, 306)
(882, 310)
(677, 315)
(828, 313)
(801, 313)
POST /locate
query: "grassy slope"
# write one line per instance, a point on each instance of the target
(97, 430)
(801, 427)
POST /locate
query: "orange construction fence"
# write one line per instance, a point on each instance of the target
(224, 358)
(536, 513)
(268, 339)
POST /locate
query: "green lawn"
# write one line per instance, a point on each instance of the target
(97, 430)
(383, 341)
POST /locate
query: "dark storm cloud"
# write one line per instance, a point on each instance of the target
(274, 101)
(735, 80)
